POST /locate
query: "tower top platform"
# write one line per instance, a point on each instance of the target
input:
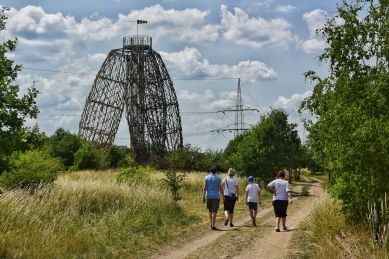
(137, 41)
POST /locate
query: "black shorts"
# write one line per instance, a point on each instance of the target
(280, 207)
(213, 205)
(229, 204)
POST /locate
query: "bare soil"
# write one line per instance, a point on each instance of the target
(245, 240)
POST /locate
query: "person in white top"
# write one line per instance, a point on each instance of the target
(231, 192)
(281, 195)
(253, 196)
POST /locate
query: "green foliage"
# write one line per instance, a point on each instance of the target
(88, 157)
(193, 159)
(271, 145)
(65, 145)
(174, 182)
(133, 175)
(305, 190)
(117, 156)
(31, 169)
(350, 136)
(187, 157)
(127, 161)
(15, 108)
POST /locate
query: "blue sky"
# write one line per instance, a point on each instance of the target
(206, 46)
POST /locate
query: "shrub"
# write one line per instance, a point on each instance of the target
(87, 157)
(134, 174)
(174, 182)
(30, 169)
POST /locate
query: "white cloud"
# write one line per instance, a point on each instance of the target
(292, 102)
(186, 96)
(255, 32)
(190, 63)
(314, 20)
(285, 8)
(97, 58)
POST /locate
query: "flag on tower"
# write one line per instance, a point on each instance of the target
(140, 21)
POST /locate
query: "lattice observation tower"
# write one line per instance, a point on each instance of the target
(135, 79)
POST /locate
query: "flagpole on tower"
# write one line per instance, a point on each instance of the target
(138, 22)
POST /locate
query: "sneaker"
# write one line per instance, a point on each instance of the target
(226, 222)
(253, 220)
(214, 228)
(232, 225)
(285, 228)
(277, 229)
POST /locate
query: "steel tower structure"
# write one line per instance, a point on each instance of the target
(133, 78)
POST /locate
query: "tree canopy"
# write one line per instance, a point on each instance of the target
(271, 145)
(14, 109)
(350, 135)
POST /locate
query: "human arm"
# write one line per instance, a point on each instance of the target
(247, 194)
(221, 190)
(204, 190)
(259, 197)
(272, 189)
(290, 198)
(237, 192)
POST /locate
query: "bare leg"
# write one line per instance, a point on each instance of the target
(283, 221)
(210, 218)
(278, 222)
(226, 214)
(231, 217)
(213, 218)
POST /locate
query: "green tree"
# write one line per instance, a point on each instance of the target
(117, 155)
(272, 144)
(14, 107)
(65, 145)
(88, 157)
(350, 135)
(187, 157)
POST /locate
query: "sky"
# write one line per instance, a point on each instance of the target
(206, 47)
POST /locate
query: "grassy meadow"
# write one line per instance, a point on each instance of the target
(89, 214)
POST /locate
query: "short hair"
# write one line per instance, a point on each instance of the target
(281, 174)
(213, 169)
(231, 172)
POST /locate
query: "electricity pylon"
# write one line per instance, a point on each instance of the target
(239, 127)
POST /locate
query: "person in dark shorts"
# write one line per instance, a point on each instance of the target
(231, 192)
(281, 198)
(211, 190)
(253, 196)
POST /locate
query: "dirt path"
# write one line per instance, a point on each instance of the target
(246, 241)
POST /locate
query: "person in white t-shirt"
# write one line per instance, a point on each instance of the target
(281, 196)
(231, 192)
(253, 196)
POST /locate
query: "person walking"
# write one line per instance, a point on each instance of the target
(211, 190)
(253, 197)
(281, 198)
(231, 191)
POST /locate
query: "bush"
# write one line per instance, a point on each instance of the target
(87, 157)
(30, 169)
(174, 182)
(134, 174)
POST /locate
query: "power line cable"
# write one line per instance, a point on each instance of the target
(74, 73)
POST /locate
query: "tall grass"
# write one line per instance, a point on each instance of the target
(87, 215)
(332, 236)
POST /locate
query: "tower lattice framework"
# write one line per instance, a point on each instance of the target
(133, 78)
